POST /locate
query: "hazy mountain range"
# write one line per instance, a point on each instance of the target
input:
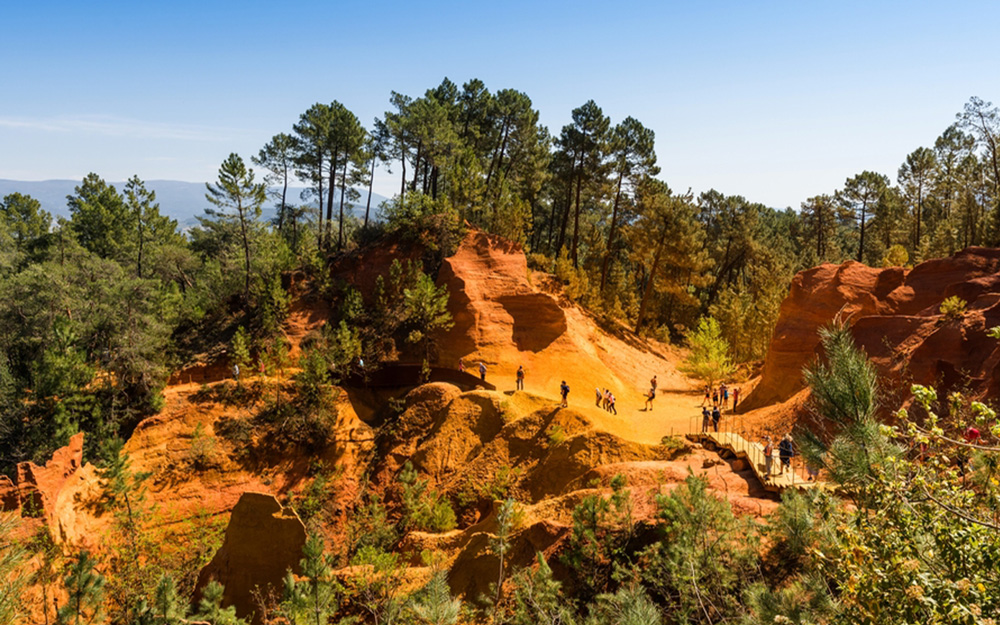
(182, 201)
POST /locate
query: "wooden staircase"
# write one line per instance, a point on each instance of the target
(753, 454)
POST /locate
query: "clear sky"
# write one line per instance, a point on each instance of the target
(775, 101)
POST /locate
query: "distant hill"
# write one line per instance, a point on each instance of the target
(182, 201)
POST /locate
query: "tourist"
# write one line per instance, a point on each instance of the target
(607, 400)
(520, 378)
(813, 471)
(236, 374)
(482, 372)
(564, 391)
(736, 397)
(716, 417)
(715, 398)
(708, 395)
(653, 383)
(600, 396)
(725, 396)
(768, 455)
(461, 366)
(706, 416)
(650, 396)
(611, 403)
(785, 453)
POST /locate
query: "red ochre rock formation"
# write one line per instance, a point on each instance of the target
(503, 320)
(895, 317)
(36, 489)
(263, 541)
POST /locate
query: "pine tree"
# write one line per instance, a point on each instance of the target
(236, 190)
(85, 593)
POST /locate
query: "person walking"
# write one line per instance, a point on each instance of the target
(611, 404)
(236, 374)
(607, 400)
(716, 417)
(653, 383)
(599, 395)
(715, 398)
(520, 378)
(564, 391)
(785, 453)
(708, 395)
(768, 456)
(461, 366)
(725, 397)
(650, 396)
(736, 397)
(482, 372)
(706, 416)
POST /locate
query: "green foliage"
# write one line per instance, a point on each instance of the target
(13, 581)
(369, 525)
(895, 256)
(210, 607)
(424, 508)
(85, 592)
(376, 586)
(845, 391)
(705, 556)
(202, 453)
(953, 308)
(598, 544)
(630, 605)
(538, 598)
(509, 517)
(314, 599)
(434, 605)
(239, 349)
(708, 360)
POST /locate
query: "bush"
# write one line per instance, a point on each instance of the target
(424, 508)
(953, 308)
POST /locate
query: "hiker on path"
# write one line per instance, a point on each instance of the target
(236, 374)
(785, 453)
(611, 403)
(725, 396)
(715, 398)
(461, 366)
(768, 455)
(564, 391)
(600, 396)
(520, 378)
(706, 416)
(482, 372)
(607, 399)
(708, 394)
(736, 397)
(650, 396)
(716, 417)
(653, 383)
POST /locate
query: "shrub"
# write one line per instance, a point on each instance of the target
(953, 308)
(423, 507)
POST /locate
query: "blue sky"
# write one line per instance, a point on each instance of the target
(776, 101)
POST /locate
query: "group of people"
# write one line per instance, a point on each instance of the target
(605, 399)
(719, 396)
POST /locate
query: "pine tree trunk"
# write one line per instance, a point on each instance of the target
(611, 234)
(329, 198)
(343, 192)
(371, 181)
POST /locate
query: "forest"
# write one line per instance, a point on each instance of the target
(98, 310)
(100, 306)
